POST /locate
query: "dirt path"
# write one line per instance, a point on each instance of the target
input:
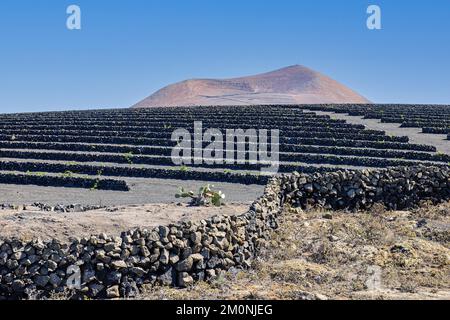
(415, 134)
(33, 223)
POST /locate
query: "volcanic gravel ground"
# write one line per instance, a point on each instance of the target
(143, 191)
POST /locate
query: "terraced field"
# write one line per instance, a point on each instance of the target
(122, 172)
(430, 118)
(106, 149)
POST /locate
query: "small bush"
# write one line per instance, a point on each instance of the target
(205, 197)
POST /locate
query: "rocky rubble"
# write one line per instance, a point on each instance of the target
(49, 208)
(180, 254)
(66, 208)
(8, 206)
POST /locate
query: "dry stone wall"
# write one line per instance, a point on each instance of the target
(63, 181)
(109, 267)
(180, 254)
(396, 188)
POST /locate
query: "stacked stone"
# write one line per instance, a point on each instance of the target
(60, 181)
(177, 255)
(396, 188)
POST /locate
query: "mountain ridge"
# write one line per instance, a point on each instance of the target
(290, 85)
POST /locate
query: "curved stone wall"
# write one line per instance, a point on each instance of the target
(179, 254)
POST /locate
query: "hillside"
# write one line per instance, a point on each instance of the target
(292, 85)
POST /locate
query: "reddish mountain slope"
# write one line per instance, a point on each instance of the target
(291, 85)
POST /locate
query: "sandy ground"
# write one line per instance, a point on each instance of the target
(415, 134)
(31, 223)
(143, 191)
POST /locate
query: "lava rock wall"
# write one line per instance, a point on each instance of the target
(180, 254)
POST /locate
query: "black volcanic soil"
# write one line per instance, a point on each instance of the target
(143, 191)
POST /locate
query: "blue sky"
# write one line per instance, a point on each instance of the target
(128, 49)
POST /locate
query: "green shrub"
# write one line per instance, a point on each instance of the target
(206, 196)
(128, 157)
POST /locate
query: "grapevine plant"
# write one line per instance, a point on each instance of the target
(206, 196)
